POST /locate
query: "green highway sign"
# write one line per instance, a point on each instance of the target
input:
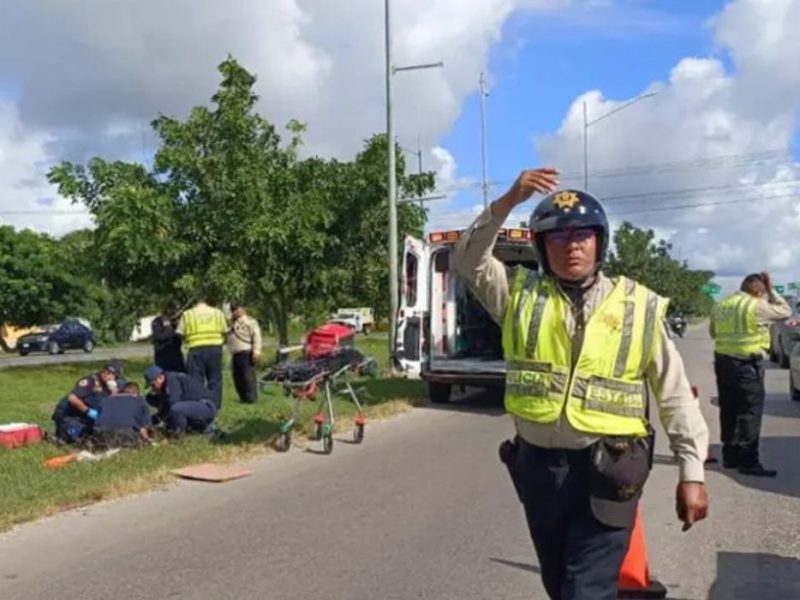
(779, 289)
(711, 288)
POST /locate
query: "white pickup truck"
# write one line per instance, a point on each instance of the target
(360, 319)
(444, 335)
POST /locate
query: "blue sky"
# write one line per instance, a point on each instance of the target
(531, 90)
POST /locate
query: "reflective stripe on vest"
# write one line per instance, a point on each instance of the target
(605, 393)
(736, 332)
(204, 326)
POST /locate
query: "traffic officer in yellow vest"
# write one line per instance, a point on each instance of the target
(580, 351)
(740, 329)
(203, 329)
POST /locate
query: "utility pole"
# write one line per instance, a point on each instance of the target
(484, 94)
(419, 181)
(392, 187)
(394, 295)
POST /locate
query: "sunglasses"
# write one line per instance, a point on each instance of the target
(566, 236)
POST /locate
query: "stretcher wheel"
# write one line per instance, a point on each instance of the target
(284, 442)
(358, 433)
(327, 444)
(317, 432)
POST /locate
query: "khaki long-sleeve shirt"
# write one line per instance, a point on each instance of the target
(678, 409)
(245, 336)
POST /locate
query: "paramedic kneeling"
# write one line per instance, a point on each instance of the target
(580, 351)
(182, 401)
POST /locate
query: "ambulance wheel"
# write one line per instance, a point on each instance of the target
(284, 442)
(358, 434)
(53, 348)
(439, 393)
(327, 444)
(88, 346)
(318, 432)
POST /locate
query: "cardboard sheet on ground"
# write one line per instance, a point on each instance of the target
(211, 472)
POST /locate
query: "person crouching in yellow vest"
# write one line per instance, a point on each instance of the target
(581, 351)
(740, 329)
(203, 329)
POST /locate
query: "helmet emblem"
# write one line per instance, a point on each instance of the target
(566, 199)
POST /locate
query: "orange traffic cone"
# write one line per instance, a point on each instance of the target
(634, 576)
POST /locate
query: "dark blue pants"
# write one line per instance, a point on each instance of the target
(205, 364)
(580, 557)
(740, 384)
(193, 415)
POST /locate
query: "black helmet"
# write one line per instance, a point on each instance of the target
(568, 209)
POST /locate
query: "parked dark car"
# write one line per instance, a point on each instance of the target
(784, 335)
(56, 338)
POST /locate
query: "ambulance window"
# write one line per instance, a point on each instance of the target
(411, 279)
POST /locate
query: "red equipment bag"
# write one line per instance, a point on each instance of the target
(18, 434)
(328, 339)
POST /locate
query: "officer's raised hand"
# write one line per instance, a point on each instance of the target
(529, 182)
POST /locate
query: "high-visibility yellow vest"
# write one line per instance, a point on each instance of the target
(736, 332)
(204, 326)
(605, 392)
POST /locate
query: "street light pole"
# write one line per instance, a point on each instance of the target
(392, 187)
(587, 124)
(585, 150)
(394, 295)
(484, 93)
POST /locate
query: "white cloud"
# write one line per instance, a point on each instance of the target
(93, 73)
(24, 187)
(744, 215)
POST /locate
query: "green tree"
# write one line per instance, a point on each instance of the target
(35, 285)
(231, 212)
(639, 256)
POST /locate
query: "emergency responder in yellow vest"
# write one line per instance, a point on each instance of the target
(740, 329)
(580, 350)
(203, 329)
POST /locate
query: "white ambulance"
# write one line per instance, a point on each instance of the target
(444, 335)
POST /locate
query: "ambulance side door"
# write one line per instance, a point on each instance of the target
(413, 306)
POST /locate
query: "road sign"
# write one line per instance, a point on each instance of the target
(779, 289)
(711, 288)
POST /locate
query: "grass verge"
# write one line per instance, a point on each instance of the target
(29, 491)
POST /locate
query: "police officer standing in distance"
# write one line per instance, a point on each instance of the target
(740, 329)
(203, 329)
(581, 350)
(244, 341)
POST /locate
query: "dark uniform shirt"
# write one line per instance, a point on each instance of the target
(179, 387)
(167, 345)
(123, 411)
(90, 389)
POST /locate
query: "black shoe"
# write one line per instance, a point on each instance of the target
(757, 470)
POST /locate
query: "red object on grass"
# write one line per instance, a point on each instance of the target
(319, 419)
(360, 420)
(18, 434)
(327, 339)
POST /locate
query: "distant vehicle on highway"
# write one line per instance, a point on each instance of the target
(794, 373)
(785, 335)
(56, 338)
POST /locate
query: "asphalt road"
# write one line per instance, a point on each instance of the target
(76, 356)
(422, 510)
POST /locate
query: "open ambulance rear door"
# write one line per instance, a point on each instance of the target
(413, 307)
